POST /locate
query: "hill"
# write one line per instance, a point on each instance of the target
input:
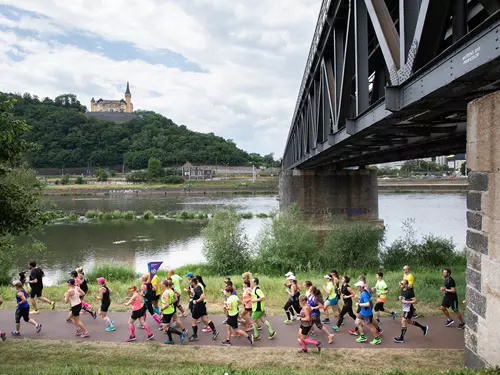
(68, 138)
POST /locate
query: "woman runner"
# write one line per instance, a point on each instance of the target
(247, 303)
(167, 307)
(331, 293)
(231, 306)
(104, 297)
(138, 312)
(22, 311)
(73, 297)
(206, 328)
(148, 295)
(200, 311)
(315, 301)
(292, 303)
(305, 326)
(83, 286)
(347, 294)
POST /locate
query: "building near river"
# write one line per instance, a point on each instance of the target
(121, 105)
(192, 172)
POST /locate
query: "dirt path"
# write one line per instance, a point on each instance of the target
(55, 328)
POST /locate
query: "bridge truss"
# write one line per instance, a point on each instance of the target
(390, 80)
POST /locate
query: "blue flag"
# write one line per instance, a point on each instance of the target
(153, 268)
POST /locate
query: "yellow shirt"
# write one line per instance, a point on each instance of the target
(156, 283)
(410, 278)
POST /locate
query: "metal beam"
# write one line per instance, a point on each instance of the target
(338, 58)
(361, 56)
(387, 35)
(491, 6)
(408, 16)
(459, 19)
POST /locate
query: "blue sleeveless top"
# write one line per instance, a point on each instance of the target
(24, 305)
(312, 302)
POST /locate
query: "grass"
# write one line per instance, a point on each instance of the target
(427, 284)
(91, 358)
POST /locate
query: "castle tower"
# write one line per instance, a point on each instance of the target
(128, 99)
(92, 105)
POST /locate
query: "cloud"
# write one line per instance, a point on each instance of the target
(228, 67)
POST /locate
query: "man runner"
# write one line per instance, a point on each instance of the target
(36, 284)
(411, 281)
(382, 291)
(258, 312)
(365, 316)
(450, 299)
(408, 299)
(177, 280)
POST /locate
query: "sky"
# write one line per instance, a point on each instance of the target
(231, 67)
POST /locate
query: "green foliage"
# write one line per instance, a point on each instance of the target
(101, 175)
(100, 215)
(262, 215)
(107, 216)
(148, 215)
(225, 245)
(79, 180)
(65, 180)
(246, 215)
(172, 180)
(423, 166)
(112, 273)
(137, 176)
(352, 245)
(154, 168)
(91, 214)
(129, 215)
(73, 216)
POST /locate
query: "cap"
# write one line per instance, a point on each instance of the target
(289, 274)
(71, 281)
(291, 277)
(101, 280)
(327, 277)
(360, 283)
(333, 271)
(189, 274)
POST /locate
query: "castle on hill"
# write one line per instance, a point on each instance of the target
(105, 105)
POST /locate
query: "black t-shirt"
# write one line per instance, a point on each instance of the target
(448, 284)
(407, 294)
(198, 291)
(37, 274)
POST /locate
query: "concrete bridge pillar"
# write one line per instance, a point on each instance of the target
(319, 192)
(482, 334)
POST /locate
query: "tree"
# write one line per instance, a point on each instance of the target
(154, 168)
(101, 175)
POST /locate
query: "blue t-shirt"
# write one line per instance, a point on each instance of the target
(364, 298)
(25, 304)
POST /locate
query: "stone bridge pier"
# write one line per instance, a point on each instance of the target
(482, 334)
(322, 192)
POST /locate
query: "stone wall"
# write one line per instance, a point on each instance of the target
(482, 333)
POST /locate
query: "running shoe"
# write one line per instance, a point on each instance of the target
(249, 329)
(302, 351)
(378, 321)
(182, 336)
(130, 338)
(326, 321)
(335, 328)
(376, 341)
(272, 335)
(78, 332)
(318, 345)
(34, 312)
(415, 316)
(399, 340)
(449, 322)
(294, 318)
(461, 326)
(250, 338)
(215, 335)
(287, 321)
(330, 339)
(226, 343)
(69, 321)
(361, 339)
(380, 332)
(353, 332)
(426, 330)
(193, 338)
(38, 328)
(259, 328)
(2, 336)
(207, 329)
(183, 315)
(84, 335)
(394, 315)
(225, 321)
(15, 333)
(110, 328)
(313, 333)
(52, 305)
(150, 336)
(168, 342)
(94, 314)
(139, 325)
(256, 338)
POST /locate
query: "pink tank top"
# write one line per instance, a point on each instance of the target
(137, 303)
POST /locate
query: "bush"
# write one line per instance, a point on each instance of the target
(65, 180)
(91, 214)
(116, 215)
(225, 245)
(172, 180)
(101, 175)
(79, 180)
(108, 216)
(148, 215)
(73, 216)
(200, 215)
(246, 215)
(100, 215)
(112, 273)
(352, 244)
(129, 215)
(138, 176)
(262, 215)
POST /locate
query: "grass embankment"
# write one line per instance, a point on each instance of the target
(90, 358)
(427, 284)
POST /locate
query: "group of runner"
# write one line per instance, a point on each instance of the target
(162, 299)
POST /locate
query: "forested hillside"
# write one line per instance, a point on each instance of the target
(67, 138)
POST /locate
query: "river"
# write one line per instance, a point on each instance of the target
(134, 243)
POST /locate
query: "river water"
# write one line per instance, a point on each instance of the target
(134, 243)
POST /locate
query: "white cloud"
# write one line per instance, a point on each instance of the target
(253, 51)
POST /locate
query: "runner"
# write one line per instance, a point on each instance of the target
(292, 304)
(450, 299)
(138, 312)
(104, 297)
(22, 310)
(306, 323)
(231, 306)
(36, 284)
(167, 307)
(200, 310)
(206, 328)
(411, 281)
(247, 301)
(368, 288)
(72, 296)
(83, 286)
(347, 296)
(2, 334)
(148, 296)
(177, 280)
(155, 282)
(258, 311)
(332, 300)
(382, 291)
(365, 316)
(408, 299)
(315, 301)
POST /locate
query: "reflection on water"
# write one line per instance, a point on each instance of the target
(176, 243)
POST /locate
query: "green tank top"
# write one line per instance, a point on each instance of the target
(233, 302)
(257, 293)
(170, 309)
